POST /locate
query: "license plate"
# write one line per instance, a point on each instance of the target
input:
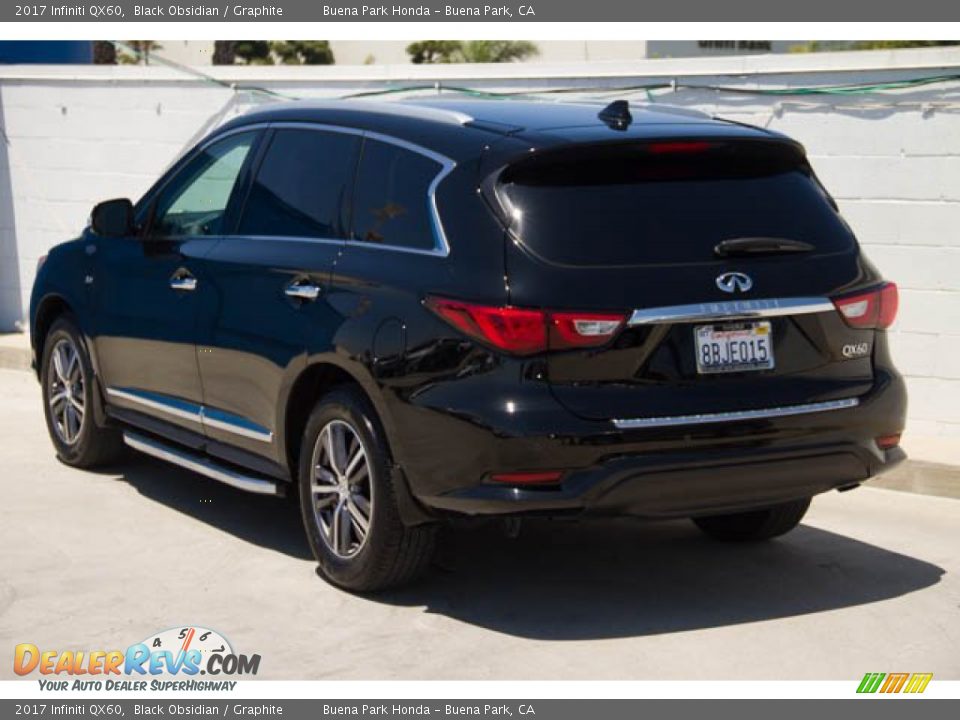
(734, 348)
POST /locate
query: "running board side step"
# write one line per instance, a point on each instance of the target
(199, 464)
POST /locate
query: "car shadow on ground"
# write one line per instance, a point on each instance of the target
(592, 579)
(270, 522)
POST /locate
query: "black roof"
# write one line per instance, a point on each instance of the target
(546, 115)
(460, 127)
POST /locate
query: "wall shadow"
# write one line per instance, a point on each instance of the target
(591, 579)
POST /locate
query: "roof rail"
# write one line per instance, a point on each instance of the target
(410, 107)
(403, 108)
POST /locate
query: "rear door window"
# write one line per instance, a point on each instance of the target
(665, 203)
(303, 185)
(392, 204)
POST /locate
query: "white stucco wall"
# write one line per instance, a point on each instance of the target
(361, 52)
(76, 135)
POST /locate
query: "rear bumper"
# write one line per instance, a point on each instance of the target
(658, 472)
(684, 485)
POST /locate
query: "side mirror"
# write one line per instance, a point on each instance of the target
(112, 218)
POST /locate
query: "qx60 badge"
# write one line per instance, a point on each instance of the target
(731, 282)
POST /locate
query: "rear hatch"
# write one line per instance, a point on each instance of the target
(713, 225)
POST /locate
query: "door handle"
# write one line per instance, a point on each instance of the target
(302, 290)
(183, 280)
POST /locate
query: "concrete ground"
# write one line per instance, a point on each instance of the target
(15, 351)
(97, 560)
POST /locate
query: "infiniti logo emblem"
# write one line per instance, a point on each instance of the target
(732, 282)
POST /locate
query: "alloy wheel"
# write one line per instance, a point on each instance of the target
(340, 489)
(65, 391)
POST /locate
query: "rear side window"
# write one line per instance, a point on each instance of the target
(392, 203)
(665, 203)
(302, 186)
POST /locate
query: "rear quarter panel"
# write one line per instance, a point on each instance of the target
(386, 337)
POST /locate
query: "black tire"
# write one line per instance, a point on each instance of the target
(754, 525)
(389, 553)
(83, 443)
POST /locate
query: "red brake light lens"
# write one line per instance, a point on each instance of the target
(680, 146)
(889, 304)
(886, 442)
(518, 331)
(536, 477)
(876, 308)
(522, 331)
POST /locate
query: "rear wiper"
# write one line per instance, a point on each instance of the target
(760, 246)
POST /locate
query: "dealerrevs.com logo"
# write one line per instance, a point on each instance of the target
(892, 683)
(169, 660)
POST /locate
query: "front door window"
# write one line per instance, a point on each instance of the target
(195, 201)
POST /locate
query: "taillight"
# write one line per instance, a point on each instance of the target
(523, 331)
(506, 328)
(573, 330)
(876, 308)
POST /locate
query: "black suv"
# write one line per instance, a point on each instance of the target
(407, 312)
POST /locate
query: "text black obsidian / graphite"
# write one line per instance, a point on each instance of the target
(164, 11)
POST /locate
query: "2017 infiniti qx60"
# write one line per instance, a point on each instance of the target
(407, 312)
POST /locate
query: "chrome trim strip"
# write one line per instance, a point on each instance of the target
(291, 238)
(233, 424)
(731, 310)
(737, 415)
(435, 252)
(202, 144)
(206, 417)
(199, 465)
(412, 147)
(307, 125)
(164, 406)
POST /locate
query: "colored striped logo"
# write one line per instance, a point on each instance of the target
(894, 682)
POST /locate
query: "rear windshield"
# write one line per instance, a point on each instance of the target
(664, 203)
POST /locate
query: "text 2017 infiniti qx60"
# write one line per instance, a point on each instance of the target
(407, 312)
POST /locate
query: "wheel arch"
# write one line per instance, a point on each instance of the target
(302, 394)
(314, 381)
(51, 307)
